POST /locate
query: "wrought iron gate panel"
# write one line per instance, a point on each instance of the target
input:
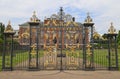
(48, 48)
(73, 48)
(112, 51)
(7, 63)
(21, 52)
(101, 54)
(20, 57)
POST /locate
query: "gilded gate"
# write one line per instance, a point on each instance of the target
(59, 43)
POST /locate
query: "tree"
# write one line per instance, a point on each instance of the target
(118, 38)
(2, 27)
(104, 36)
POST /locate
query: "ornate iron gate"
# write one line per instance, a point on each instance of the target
(59, 45)
(60, 48)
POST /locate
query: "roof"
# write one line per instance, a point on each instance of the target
(24, 24)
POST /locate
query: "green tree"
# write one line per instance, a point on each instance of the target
(118, 38)
(2, 27)
(104, 36)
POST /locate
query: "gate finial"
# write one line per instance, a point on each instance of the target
(88, 19)
(9, 28)
(111, 30)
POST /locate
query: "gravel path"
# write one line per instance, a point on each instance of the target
(60, 75)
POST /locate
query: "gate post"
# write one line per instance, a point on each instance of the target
(8, 53)
(88, 44)
(112, 48)
(33, 46)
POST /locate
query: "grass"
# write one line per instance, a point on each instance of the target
(119, 58)
(20, 57)
(101, 57)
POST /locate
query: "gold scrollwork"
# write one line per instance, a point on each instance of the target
(89, 53)
(33, 52)
(50, 56)
(72, 60)
(33, 63)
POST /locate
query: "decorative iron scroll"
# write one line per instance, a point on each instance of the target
(72, 57)
(89, 56)
(33, 56)
(50, 57)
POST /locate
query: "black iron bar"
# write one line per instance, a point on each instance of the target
(61, 10)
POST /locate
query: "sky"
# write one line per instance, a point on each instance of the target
(103, 12)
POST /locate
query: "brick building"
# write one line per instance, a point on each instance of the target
(58, 29)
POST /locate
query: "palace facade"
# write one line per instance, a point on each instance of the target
(60, 28)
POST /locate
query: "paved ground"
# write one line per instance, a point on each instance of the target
(60, 75)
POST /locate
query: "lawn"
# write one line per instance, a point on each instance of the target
(119, 58)
(101, 57)
(19, 57)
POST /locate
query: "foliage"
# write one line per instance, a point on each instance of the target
(2, 27)
(8, 43)
(118, 38)
(104, 36)
(1, 41)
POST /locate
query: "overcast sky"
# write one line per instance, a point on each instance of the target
(103, 12)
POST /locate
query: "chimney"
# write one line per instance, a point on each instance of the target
(73, 19)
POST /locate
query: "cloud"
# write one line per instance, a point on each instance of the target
(102, 11)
